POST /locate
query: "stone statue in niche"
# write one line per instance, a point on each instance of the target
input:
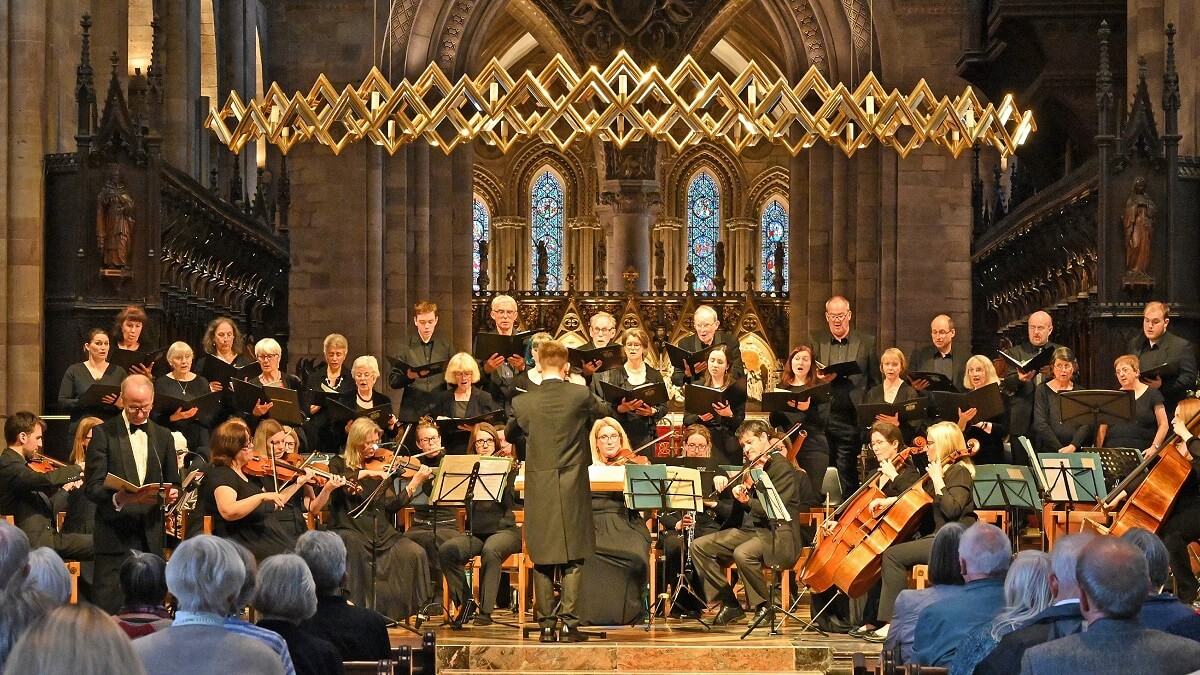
(1138, 226)
(543, 266)
(114, 222)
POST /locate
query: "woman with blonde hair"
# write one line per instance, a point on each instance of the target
(400, 583)
(1026, 593)
(461, 400)
(949, 484)
(74, 639)
(615, 574)
(893, 389)
(979, 373)
(274, 439)
(184, 384)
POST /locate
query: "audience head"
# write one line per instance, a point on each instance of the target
(1063, 561)
(74, 639)
(48, 574)
(464, 365)
(14, 556)
(325, 555)
(1157, 562)
(1026, 592)
(19, 608)
(83, 437)
(246, 594)
(984, 551)
(205, 574)
(144, 580)
(285, 589)
(944, 569)
(1113, 579)
(223, 335)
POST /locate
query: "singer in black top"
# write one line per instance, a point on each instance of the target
(1054, 435)
(132, 448)
(812, 416)
(894, 390)
(494, 536)
(400, 583)
(708, 333)
(96, 369)
(1148, 428)
(462, 400)
(1156, 347)
(725, 418)
(422, 349)
(328, 379)
(365, 372)
(991, 432)
(757, 542)
(184, 384)
(636, 417)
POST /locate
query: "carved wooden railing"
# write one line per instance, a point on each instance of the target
(217, 259)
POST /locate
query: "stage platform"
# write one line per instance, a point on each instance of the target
(670, 646)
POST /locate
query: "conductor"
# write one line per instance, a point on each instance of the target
(559, 534)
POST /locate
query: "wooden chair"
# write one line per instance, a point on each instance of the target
(998, 518)
(10, 520)
(73, 567)
(367, 667)
(812, 518)
(207, 527)
(920, 577)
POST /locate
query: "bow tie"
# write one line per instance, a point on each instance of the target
(134, 428)
(843, 341)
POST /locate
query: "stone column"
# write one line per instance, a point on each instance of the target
(741, 249)
(669, 231)
(510, 245)
(374, 253)
(179, 27)
(629, 247)
(584, 235)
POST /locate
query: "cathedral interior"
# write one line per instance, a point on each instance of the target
(108, 134)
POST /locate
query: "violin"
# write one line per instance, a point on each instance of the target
(382, 459)
(44, 464)
(287, 472)
(628, 456)
(760, 461)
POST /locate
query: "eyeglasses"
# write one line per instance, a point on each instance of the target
(696, 446)
(939, 333)
(485, 441)
(267, 357)
(608, 437)
(837, 317)
(427, 439)
(505, 312)
(139, 408)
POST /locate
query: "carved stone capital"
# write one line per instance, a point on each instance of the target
(741, 224)
(509, 223)
(583, 223)
(631, 196)
(666, 224)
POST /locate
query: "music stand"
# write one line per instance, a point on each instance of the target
(777, 513)
(455, 485)
(1072, 478)
(1117, 463)
(1102, 405)
(1006, 486)
(659, 488)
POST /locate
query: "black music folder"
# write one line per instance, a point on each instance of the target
(487, 344)
(699, 399)
(340, 414)
(449, 425)
(127, 358)
(986, 400)
(435, 368)
(286, 402)
(610, 357)
(90, 398)
(1164, 370)
(937, 381)
(680, 356)
(843, 368)
(208, 406)
(216, 370)
(780, 401)
(909, 411)
(1035, 362)
(653, 393)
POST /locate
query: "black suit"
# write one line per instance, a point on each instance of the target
(926, 359)
(692, 343)
(420, 393)
(1021, 397)
(136, 526)
(25, 495)
(1170, 347)
(359, 634)
(842, 431)
(559, 532)
(1052, 623)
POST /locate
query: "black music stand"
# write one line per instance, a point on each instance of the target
(659, 488)
(1117, 463)
(778, 515)
(1101, 405)
(1006, 486)
(1072, 478)
(455, 485)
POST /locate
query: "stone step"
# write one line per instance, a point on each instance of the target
(776, 656)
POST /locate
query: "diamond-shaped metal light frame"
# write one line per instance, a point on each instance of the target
(621, 103)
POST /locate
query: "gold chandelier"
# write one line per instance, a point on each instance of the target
(621, 104)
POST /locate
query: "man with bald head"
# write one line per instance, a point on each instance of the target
(131, 447)
(1156, 347)
(940, 356)
(1114, 582)
(838, 345)
(500, 369)
(1022, 384)
(708, 333)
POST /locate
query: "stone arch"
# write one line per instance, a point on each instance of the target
(489, 190)
(724, 168)
(533, 157)
(774, 180)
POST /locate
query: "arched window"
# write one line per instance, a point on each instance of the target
(481, 228)
(703, 228)
(546, 212)
(774, 228)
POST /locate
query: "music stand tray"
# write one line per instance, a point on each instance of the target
(1006, 486)
(1117, 463)
(1104, 406)
(1072, 477)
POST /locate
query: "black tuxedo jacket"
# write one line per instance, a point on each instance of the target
(136, 526)
(1170, 347)
(25, 495)
(847, 391)
(420, 393)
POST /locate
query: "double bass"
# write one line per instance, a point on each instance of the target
(850, 557)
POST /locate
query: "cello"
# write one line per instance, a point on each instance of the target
(858, 543)
(1151, 502)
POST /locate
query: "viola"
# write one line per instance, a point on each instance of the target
(850, 557)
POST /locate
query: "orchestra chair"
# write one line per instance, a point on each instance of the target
(404, 522)
(367, 667)
(514, 564)
(920, 577)
(1055, 521)
(1194, 555)
(316, 521)
(811, 518)
(73, 567)
(207, 527)
(59, 518)
(10, 520)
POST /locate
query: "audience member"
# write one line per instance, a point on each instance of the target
(74, 639)
(235, 622)
(1026, 594)
(984, 554)
(1058, 620)
(19, 608)
(144, 583)
(945, 577)
(1161, 609)
(48, 574)
(359, 634)
(14, 556)
(205, 575)
(1114, 582)
(286, 595)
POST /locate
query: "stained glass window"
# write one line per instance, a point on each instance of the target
(703, 228)
(481, 228)
(774, 230)
(547, 215)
